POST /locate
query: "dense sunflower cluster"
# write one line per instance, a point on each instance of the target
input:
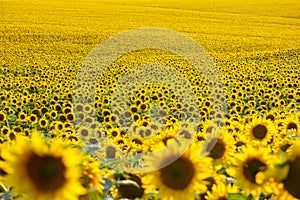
(53, 148)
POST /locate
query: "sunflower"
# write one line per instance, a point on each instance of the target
(53, 114)
(252, 169)
(26, 132)
(59, 126)
(32, 119)
(22, 117)
(91, 177)
(43, 123)
(45, 171)
(11, 136)
(183, 178)
(271, 115)
(260, 131)
(220, 191)
(121, 141)
(291, 125)
(219, 147)
(281, 145)
(291, 181)
(240, 140)
(70, 117)
(114, 132)
(215, 178)
(2, 117)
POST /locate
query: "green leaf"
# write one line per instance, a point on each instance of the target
(236, 196)
(127, 182)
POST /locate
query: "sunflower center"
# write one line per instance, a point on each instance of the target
(259, 131)
(251, 167)
(291, 183)
(46, 172)
(292, 125)
(1, 117)
(218, 150)
(178, 174)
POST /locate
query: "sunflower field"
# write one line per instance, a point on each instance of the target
(151, 124)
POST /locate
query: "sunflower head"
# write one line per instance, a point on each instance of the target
(291, 182)
(290, 125)
(253, 169)
(219, 147)
(47, 171)
(91, 176)
(178, 174)
(2, 117)
(181, 176)
(261, 130)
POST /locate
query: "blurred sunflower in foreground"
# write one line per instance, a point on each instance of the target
(289, 174)
(44, 171)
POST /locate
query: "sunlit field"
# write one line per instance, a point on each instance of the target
(60, 144)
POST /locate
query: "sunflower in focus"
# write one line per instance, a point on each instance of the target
(253, 169)
(260, 131)
(45, 171)
(183, 178)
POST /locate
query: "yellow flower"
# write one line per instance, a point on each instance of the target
(219, 147)
(22, 116)
(260, 131)
(215, 178)
(45, 171)
(183, 178)
(43, 123)
(2, 117)
(292, 181)
(252, 169)
(291, 125)
(91, 178)
(220, 191)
